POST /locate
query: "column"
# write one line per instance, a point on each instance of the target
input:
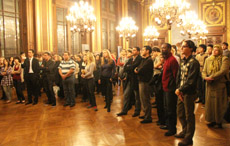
(96, 35)
(228, 21)
(125, 14)
(44, 25)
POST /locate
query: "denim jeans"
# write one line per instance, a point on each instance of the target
(68, 86)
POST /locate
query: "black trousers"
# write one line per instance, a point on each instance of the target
(90, 86)
(84, 90)
(32, 87)
(18, 87)
(48, 86)
(170, 104)
(160, 106)
(107, 88)
(98, 87)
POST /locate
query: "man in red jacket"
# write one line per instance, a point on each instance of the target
(170, 69)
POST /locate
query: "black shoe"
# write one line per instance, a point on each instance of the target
(18, 102)
(3, 98)
(170, 133)
(146, 121)
(212, 124)
(54, 104)
(219, 125)
(199, 101)
(154, 106)
(141, 117)
(72, 105)
(135, 114)
(154, 103)
(48, 102)
(158, 123)
(108, 110)
(185, 143)
(28, 103)
(66, 104)
(34, 103)
(180, 135)
(121, 114)
(164, 127)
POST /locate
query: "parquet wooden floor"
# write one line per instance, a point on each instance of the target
(42, 125)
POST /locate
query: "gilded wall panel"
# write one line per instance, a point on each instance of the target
(214, 14)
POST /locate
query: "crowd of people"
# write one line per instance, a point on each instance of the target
(177, 77)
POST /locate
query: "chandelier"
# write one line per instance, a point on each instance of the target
(168, 11)
(81, 17)
(151, 33)
(188, 23)
(127, 28)
(192, 26)
(201, 31)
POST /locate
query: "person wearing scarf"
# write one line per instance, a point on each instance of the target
(215, 73)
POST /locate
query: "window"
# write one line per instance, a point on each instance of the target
(9, 28)
(112, 6)
(103, 5)
(76, 43)
(61, 30)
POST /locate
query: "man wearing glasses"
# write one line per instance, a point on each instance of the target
(186, 92)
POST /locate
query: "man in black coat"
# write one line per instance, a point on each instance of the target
(132, 83)
(145, 72)
(31, 71)
(48, 78)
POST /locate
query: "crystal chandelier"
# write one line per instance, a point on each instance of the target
(188, 23)
(151, 33)
(127, 28)
(201, 31)
(168, 11)
(192, 26)
(81, 17)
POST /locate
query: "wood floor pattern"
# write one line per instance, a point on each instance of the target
(41, 125)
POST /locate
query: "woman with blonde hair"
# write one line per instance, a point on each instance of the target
(215, 72)
(108, 69)
(89, 80)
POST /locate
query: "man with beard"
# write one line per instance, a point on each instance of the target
(170, 69)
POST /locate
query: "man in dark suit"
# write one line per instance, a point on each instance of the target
(31, 71)
(48, 77)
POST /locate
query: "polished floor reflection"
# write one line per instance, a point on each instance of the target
(42, 125)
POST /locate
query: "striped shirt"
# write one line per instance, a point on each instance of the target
(65, 66)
